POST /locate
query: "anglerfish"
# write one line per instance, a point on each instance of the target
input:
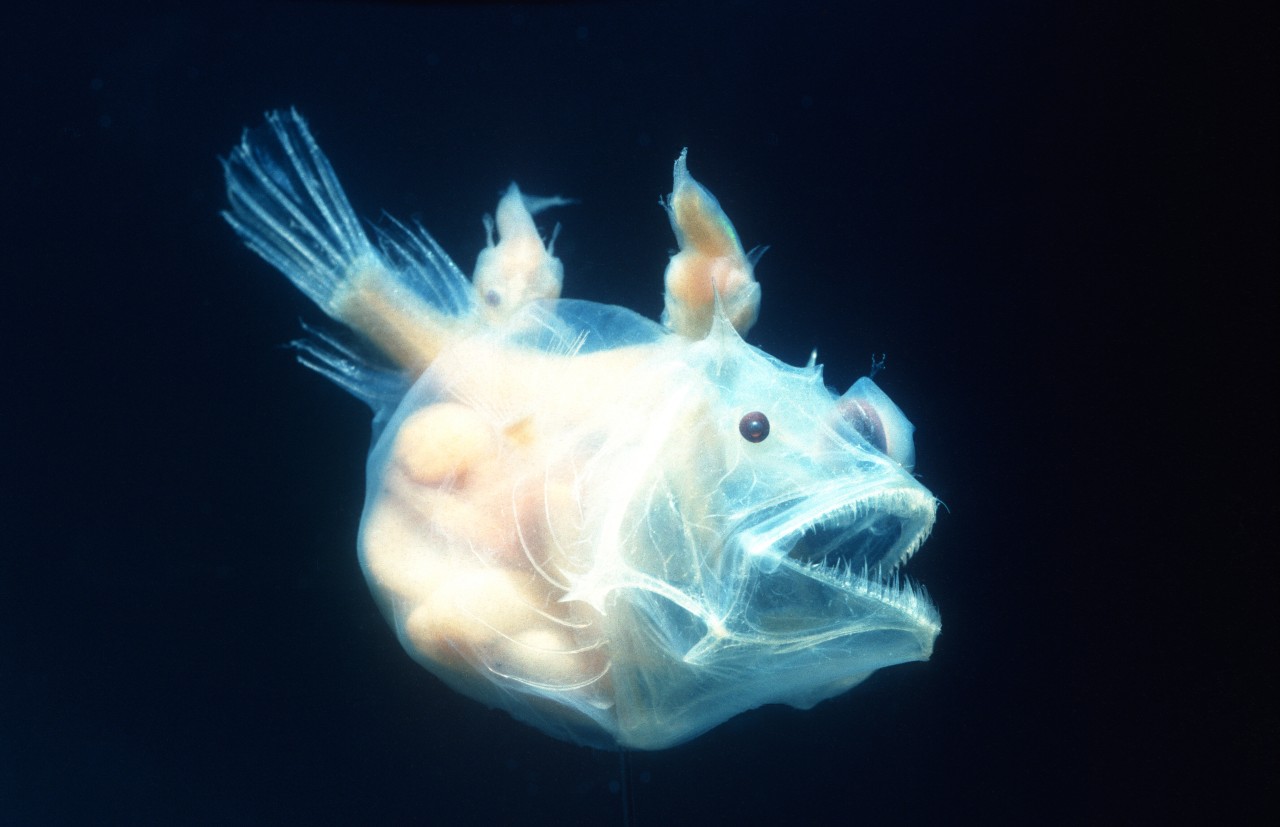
(621, 531)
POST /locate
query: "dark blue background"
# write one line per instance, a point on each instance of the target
(1059, 223)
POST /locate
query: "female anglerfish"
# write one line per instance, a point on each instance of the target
(621, 532)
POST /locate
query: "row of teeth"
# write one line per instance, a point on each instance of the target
(851, 512)
(886, 586)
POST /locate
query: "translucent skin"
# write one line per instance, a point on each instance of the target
(564, 516)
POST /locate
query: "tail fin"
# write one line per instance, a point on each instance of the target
(406, 297)
(287, 205)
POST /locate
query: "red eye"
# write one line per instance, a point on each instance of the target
(754, 426)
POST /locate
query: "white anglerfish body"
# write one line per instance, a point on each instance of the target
(621, 532)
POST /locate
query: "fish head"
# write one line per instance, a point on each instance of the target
(748, 541)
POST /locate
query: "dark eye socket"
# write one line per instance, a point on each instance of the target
(754, 426)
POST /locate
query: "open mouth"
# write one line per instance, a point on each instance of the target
(853, 540)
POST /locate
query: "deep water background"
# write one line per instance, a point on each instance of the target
(1058, 222)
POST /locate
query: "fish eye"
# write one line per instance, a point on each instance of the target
(754, 426)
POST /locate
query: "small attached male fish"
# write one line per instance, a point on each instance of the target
(621, 532)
